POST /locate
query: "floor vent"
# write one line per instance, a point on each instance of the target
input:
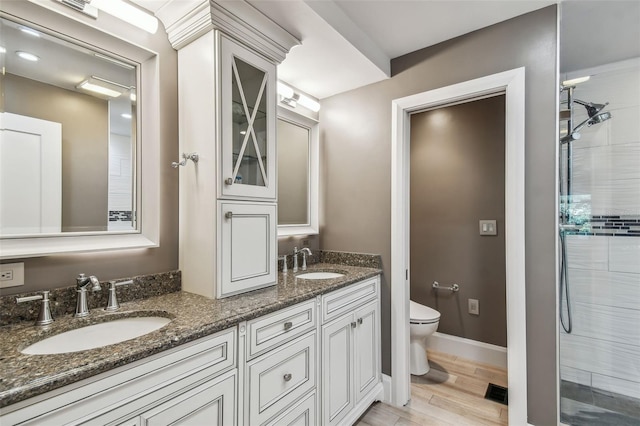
(497, 393)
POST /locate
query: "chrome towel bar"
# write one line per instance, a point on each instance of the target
(454, 287)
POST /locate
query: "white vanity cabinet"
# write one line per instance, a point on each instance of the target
(180, 386)
(281, 369)
(351, 370)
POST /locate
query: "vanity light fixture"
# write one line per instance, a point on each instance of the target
(117, 8)
(2, 49)
(101, 86)
(125, 115)
(289, 97)
(132, 96)
(27, 56)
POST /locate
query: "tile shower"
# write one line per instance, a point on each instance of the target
(600, 357)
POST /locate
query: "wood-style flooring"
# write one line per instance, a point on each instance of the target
(451, 393)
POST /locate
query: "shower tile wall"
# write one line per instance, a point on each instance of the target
(603, 350)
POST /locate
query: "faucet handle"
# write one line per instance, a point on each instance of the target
(112, 304)
(44, 315)
(284, 263)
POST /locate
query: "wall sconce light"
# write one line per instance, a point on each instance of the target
(117, 8)
(289, 97)
(102, 87)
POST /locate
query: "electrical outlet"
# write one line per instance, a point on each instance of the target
(11, 275)
(474, 306)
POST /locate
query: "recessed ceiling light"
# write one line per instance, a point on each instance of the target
(29, 31)
(27, 56)
(125, 115)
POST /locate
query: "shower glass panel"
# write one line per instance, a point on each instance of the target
(599, 291)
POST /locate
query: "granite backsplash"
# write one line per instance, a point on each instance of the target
(63, 300)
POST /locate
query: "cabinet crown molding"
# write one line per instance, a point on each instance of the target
(186, 20)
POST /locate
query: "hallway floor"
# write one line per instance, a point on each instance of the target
(451, 393)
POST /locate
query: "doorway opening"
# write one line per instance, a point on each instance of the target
(511, 83)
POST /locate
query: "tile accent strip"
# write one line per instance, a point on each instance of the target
(63, 300)
(609, 226)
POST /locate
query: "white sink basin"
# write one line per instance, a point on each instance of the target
(97, 335)
(319, 275)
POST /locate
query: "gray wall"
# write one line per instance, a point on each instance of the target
(59, 271)
(356, 170)
(457, 178)
(85, 146)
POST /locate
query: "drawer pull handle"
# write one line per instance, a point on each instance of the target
(287, 377)
(353, 324)
(288, 325)
(359, 320)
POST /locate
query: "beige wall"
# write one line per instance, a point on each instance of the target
(59, 271)
(85, 146)
(356, 194)
(457, 178)
(293, 173)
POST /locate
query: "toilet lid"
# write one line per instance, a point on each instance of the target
(418, 312)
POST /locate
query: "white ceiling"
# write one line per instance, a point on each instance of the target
(350, 43)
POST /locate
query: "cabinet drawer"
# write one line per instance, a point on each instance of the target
(273, 330)
(278, 379)
(212, 403)
(347, 299)
(302, 413)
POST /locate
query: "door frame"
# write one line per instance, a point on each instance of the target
(512, 84)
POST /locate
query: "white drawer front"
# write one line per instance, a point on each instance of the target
(212, 403)
(347, 299)
(273, 330)
(278, 379)
(302, 413)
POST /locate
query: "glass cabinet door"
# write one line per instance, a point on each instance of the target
(248, 123)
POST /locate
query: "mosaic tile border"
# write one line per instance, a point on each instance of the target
(120, 215)
(609, 226)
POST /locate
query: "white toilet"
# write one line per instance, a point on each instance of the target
(423, 323)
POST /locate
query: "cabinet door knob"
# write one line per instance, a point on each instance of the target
(287, 377)
(288, 325)
(353, 324)
(228, 181)
(359, 320)
(228, 215)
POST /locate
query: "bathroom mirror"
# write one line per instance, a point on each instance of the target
(297, 174)
(70, 152)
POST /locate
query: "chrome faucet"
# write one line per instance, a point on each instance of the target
(82, 284)
(305, 251)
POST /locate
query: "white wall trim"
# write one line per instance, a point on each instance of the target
(469, 349)
(386, 385)
(512, 83)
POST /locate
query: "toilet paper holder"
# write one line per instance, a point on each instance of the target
(454, 287)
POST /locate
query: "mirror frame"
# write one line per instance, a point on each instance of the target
(312, 125)
(147, 158)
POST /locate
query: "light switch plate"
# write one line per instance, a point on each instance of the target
(488, 227)
(11, 274)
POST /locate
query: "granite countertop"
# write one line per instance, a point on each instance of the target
(192, 317)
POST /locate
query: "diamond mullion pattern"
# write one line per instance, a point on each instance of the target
(251, 118)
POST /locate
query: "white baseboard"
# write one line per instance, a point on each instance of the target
(386, 385)
(468, 349)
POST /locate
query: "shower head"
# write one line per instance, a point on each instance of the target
(599, 118)
(592, 109)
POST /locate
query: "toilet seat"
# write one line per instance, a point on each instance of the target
(420, 314)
